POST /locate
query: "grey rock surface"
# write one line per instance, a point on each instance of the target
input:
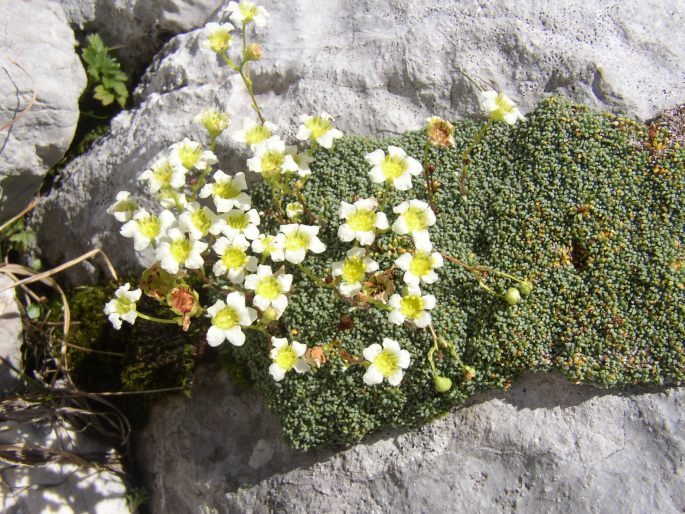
(36, 54)
(380, 68)
(546, 445)
(11, 338)
(140, 27)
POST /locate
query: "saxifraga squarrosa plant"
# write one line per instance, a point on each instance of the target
(471, 253)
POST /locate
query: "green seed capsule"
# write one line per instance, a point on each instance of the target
(512, 296)
(442, 384)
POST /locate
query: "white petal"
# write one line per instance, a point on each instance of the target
(366, 238)
(382, 221)
(400, 226)
(371, 352)
(403, 182)
(396, 317)
(373, 376)
(376, 175)
(395, 378)
(260, 302)
(316, 246)
(299, 348)
(423, 320)
(346, 209)
(277, 372)
(403, 261)
(215, 336)
(280, 303)
(235, 336)
(404, 359)
(391, 344)
(349, 290)
(300, 365)
(429, 302)
(375, 157)
(345, 233)
(295, 256)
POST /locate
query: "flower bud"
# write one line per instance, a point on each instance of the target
(269, 315)
(525, 287)
(512, 296)
(442, 384)
(469, 373)
(253, 52)
(294, 210)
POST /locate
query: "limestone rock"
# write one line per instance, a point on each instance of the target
(379, 68)
(36, 54)
(546, 445)
(11, 338)
(140, 26)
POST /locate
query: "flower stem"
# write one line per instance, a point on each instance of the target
(310, 274)
(174, 321)
(428, 176)
(466, 156)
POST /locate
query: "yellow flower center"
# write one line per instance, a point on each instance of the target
(504, 106)
(180, 250)
(226, 190)
(226, 318)
(415, 218)
(421, 264)
(362, 220)
(411, 306)
(215, 122)
(318, 126)
(189, 155)
(149, 226)
(248, 11)
(257, 134)
(296, 240)
(393, 167)
(220, 41)
(387, 362)
(268, 288)
(163, 173)
(286, 358)
(353, 270)
(234, 258)
(201, 221)
(124, 305)
(271, 164)
(237, 220)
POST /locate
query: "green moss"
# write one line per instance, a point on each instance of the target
(574, 201)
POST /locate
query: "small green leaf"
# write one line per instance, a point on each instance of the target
(103, 95)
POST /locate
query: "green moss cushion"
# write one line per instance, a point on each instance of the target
(587, 206)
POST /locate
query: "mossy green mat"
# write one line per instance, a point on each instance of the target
(587, 206)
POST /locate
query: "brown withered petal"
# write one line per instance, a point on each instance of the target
(346, 322)
(182, 299)
(316, 356)
(440, 133)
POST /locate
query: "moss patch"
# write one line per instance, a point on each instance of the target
(575, 200)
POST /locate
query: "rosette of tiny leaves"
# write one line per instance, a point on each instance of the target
(414, 219)
(395, 169)
(163, 175)
(285, 357)
(273, 158)
(123, 208)
(227, 192)
(189, 155)
(353, 270)
(296, 240)
(233, 259)
(199, 221)
(146, 228)
(269, 289)
(228, 318)
(245, 12)
(123, 306)
(214, 121)
(411, 306)
(178, 250)
(500, 108)
(361, 221)
(420, 266)
(217, 37)
(253, 133)
(241, 222)
(318, 129)
(387, 363)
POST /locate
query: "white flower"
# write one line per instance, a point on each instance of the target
(188, 155)
(177, 250)
(146, 228)
(411, 306)
(286, 357)
(199, 221)
(500, 107)
(228, 318)
(388, 362)
(227, 192)
(124, 208)
(296, 239)
(396, 168)
(273, 158)
(245, 12)
(123, 306)
(362, 221)
(269, 289)
(170, 199)
(163, 175)
(294, 210)
(268, 246)
(353, 270)
(241, 222)
(233, 260)
(254, 134)
(414, 218)
(213, 120)
(318, 128)
(303, 161)
(217, 37)
(420, 267)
